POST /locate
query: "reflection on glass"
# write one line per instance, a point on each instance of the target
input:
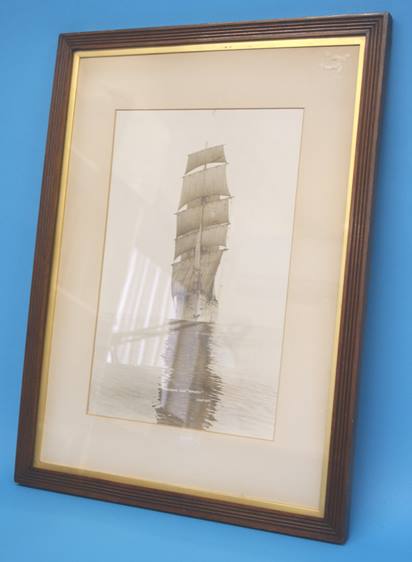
(181, 340)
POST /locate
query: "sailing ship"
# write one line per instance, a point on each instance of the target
(201, 233)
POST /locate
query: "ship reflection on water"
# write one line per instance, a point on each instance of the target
(189, 389)
(194, 375)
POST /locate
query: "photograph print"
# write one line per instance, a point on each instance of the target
(195, 269)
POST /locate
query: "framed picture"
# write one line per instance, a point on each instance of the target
(196, 310)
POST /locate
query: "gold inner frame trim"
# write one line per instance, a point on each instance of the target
(359, 41)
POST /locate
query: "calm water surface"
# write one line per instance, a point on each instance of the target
(188, 374)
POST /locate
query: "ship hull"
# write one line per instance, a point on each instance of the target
(196, 308)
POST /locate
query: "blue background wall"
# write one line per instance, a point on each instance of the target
(45, 526)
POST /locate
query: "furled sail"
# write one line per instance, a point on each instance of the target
(212, 155)
(211, 181)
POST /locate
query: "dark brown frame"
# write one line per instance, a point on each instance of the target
(332, 527)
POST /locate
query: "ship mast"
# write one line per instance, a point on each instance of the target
(198, 249)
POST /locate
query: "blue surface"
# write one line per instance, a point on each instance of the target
(44, 526)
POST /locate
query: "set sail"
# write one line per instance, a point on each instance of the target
(201, 233)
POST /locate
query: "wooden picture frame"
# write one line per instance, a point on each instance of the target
(368, 33)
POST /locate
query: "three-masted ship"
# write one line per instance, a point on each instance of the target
(201, 234)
